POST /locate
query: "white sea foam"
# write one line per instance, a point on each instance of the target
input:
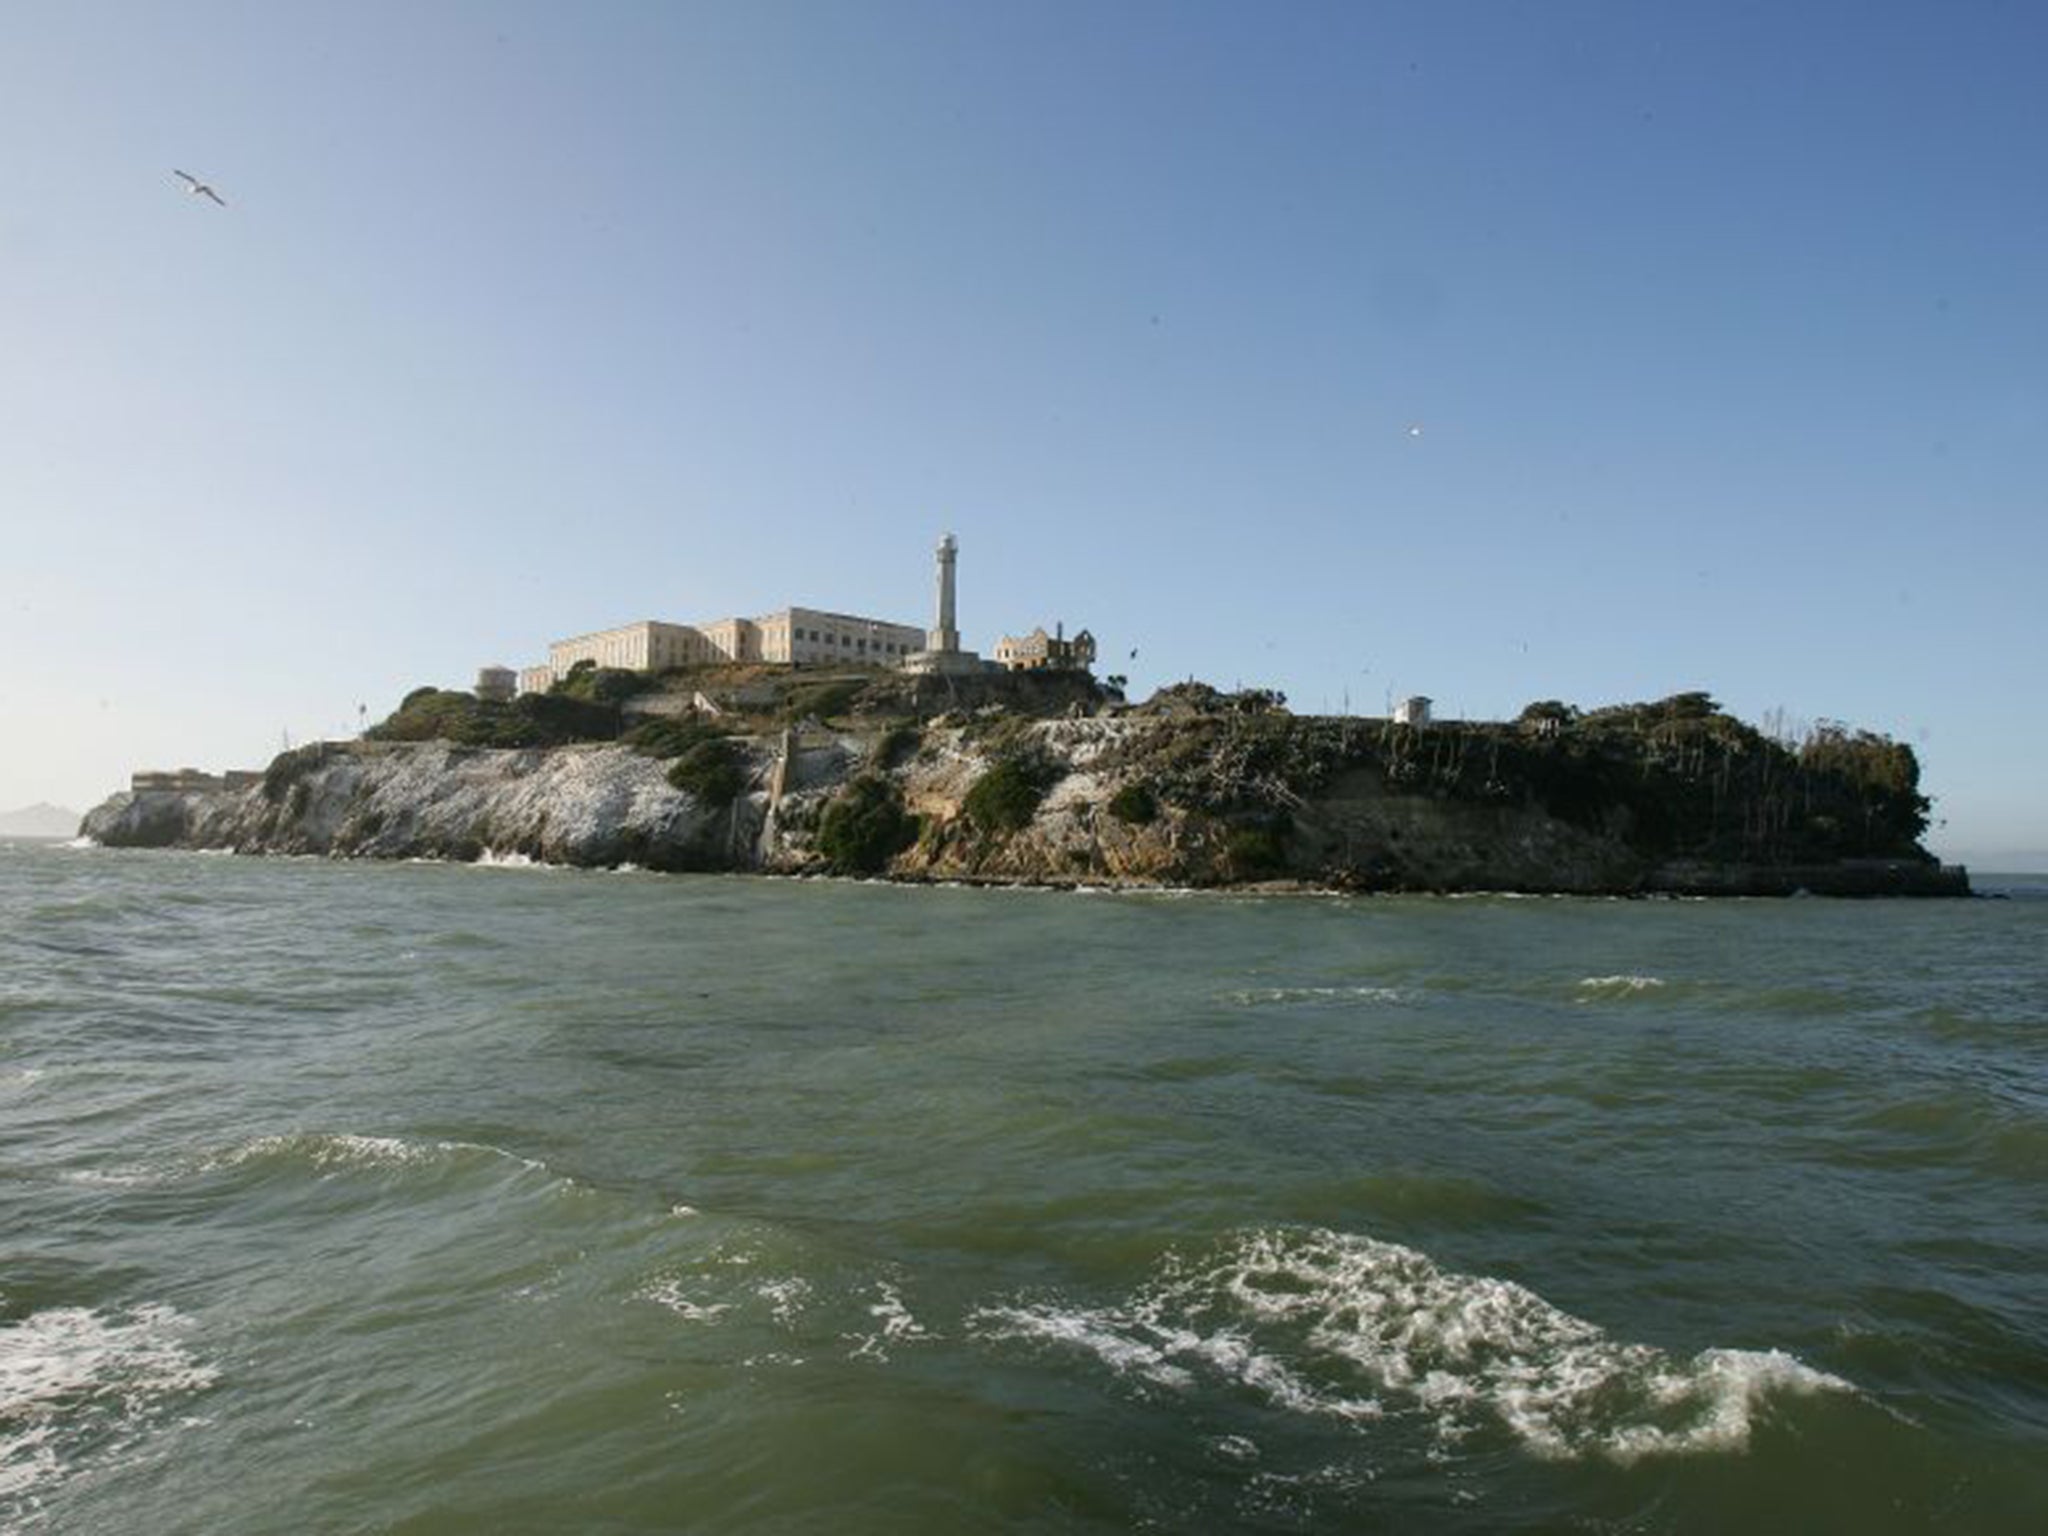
(70, 1365)
(1620, 984)
(330, 1152)
(1255, 997)
(1337, 1325)
(1116, 1337)
(83, 843)
(669, 1294)
(1159, 1339)
(786, 1296)
(1235, 1447)
(897, 1325)
(490, 858)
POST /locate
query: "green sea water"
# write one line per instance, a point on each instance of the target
(351, 1198)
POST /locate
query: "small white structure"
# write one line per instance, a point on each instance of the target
(1412, 711)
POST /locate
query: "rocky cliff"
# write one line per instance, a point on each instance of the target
(1120, 798)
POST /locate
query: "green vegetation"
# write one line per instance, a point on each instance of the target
(898, 745)
(711, 771)
(1675, 778)
(601, 685)
(1134, 804)
(531, 720)
(668, 736)
(1257, 852)
(1005, 798)
(822, 700)
(865, 826)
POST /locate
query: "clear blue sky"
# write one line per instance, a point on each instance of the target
(1726, 327)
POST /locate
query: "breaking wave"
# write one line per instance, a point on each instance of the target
(67, 1370)
(1620, 986)
(1351, 1328)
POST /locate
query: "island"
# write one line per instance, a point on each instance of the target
(1044, 775)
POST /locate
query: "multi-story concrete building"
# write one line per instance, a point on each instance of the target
(647, 646)
(803, 636)
(810, 636)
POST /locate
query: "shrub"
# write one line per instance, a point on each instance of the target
(601, 685)
(1134, 804)
(897, 745)
(1006, 797)
(866, 826)
(667, 736)
(710, 771)
(824, 700)
(545, 720)
(1257, 853)
(531, 720)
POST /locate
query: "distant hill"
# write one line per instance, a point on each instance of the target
(41, 820)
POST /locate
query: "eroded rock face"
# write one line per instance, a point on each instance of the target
(568, 805)
(603, 805)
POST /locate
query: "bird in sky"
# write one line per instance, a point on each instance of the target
(199, 188)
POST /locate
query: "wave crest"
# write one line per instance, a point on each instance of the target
(1349, 1327)
(327, 1154)
(1619, 986)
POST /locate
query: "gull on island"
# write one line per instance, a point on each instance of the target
(199, 188)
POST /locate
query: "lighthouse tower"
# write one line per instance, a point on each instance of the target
(942, 651)
(945, 633)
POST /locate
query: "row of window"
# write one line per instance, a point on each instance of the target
(665, 651)
(889, 647)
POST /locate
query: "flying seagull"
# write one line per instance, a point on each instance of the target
(199, 188)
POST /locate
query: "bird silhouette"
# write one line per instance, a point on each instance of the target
(199, 188)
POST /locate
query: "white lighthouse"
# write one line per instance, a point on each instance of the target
(945, 633)
(942, 651)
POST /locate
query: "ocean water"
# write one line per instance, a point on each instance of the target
(349, 1197)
